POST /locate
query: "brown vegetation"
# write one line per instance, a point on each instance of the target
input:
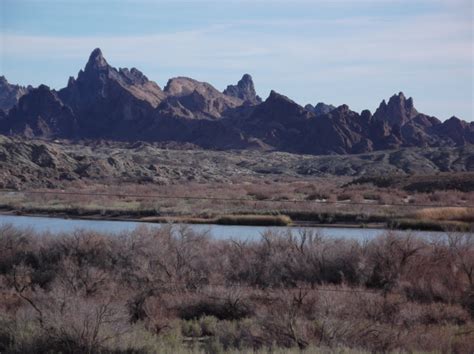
(249, 201)
(425, 183)
(450, 213)
(264, 220)
(174, 290)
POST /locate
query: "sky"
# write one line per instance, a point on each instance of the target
(354, 52)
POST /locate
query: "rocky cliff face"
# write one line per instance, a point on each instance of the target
(122, 104)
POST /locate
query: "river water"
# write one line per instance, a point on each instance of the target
(59, 225)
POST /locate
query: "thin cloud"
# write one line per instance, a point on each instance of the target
(415, 49)
(428, 37)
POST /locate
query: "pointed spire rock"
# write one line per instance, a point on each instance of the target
(96, 60)
(245, 90)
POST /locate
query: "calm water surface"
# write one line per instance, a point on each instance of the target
(58, 225)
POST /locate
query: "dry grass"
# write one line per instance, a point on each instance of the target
(447, 214)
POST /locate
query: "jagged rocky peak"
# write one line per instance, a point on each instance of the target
(245, 90)
(96, 60)
(320, 108)
(323, 108)
(399, 110)
(108, 103)
(100, 80)
(10, 93)
(96, 72)
(344, 108)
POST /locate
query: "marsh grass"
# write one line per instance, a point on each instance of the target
(447, 213)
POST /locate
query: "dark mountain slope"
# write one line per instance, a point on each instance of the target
(40, 113)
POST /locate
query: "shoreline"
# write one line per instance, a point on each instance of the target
(185, 220)
(252, 220)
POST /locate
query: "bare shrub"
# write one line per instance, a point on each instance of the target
(170, 289)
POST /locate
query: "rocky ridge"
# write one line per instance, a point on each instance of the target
(103, 102)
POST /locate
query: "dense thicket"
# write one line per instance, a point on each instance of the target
(171, 289)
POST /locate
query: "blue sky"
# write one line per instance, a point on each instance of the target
(356, 52)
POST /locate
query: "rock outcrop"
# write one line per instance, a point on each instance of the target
(320, 108)
(244, 90)
(399, 110)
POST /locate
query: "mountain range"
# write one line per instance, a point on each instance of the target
(104, 102)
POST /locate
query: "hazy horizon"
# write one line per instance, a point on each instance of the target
(338, 52)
